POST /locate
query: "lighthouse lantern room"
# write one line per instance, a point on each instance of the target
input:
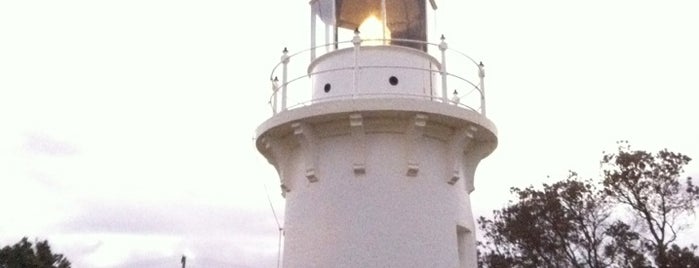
(383, 19)
(376, 140)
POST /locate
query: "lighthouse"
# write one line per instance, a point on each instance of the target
(376, 131)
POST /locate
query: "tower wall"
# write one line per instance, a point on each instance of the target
(377, 166)
(378, 188)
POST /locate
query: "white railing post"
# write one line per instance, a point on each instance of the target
(481, 75)
(285, 61)
(384, 22)
(327, 38)
(275, 87)
(443, 68)
(357, 41)
(313, 33)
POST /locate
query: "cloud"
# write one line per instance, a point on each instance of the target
(211, 251)
(45, 145)
(234, 249)
(157, 234)
(168, 219)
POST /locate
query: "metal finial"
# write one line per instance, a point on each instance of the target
(356, 40)
(456, 92)
(442, 38)
(285, 50)
(481, 64)
(276, 79)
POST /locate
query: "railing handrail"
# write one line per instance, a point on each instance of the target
(271, 76)
(285, 59)
(274, 69)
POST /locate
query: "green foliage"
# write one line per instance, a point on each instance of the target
(624, 248)
(682, 257)
(570, 223)
(650, 186)
(562, 225)
(24, 255)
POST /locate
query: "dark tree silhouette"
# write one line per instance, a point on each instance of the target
(566, 224)
(650, 186)
(570, 223)
(25, 255)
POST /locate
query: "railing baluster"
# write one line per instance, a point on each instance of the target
(357, 41)
(443, 69)
(481, 75)
(275, 88)
(313, 34)
(285, 61)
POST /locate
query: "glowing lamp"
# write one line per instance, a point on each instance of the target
(395, 19)
(374, 30)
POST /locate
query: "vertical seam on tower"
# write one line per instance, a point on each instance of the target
(359, 143)
(307, 141)
(415, 132)
(474, 156)
(459, 140)
(279, 154)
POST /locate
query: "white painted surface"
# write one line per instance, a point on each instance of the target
(382, 217)
(415, 72)
(375, 172)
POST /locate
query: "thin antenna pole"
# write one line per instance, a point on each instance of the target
(279, 226)
(272, 207)
(279, 248)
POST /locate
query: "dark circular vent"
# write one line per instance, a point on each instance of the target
(393, 80)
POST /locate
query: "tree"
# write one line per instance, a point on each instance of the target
(649, 185)
(24, 255)
(682, 257)
(570, 223)
(565, 224)
(625, 248)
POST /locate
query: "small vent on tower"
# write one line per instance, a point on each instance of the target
(327, 87)
(393, 80)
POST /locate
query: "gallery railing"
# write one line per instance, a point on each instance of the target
(461, 83)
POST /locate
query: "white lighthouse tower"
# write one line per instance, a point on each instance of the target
(376, 140)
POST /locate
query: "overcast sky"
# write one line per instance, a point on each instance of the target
(126, 127)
